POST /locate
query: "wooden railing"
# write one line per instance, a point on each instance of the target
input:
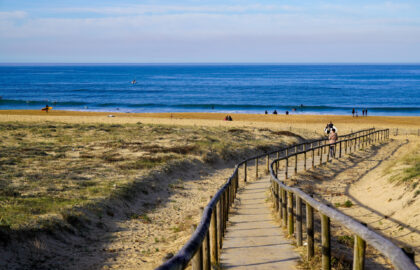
(289, 201)
(204, 247)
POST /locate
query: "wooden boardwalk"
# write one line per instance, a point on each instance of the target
(253, 239)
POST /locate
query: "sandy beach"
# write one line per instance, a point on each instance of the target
(315, 123)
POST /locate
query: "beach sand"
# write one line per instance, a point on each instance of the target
(317, 123)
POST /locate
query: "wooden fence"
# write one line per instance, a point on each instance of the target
(204, 247)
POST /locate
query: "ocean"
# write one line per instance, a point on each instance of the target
(299, 89)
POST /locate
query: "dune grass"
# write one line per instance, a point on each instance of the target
(47, 169)
(406, 170)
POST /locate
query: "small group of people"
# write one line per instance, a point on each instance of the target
(228, 118)
(355, 113)
(275, 112)
(331, 130)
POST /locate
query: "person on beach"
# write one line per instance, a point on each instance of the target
(46, 108)
(365, 112)
(275, 112)
(353, 112)
(329, 127)
(333, 137)
(266, 112)
(287, 112)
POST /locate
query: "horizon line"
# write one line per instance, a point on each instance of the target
(208, 63)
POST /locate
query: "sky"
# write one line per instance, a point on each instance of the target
(189, 31)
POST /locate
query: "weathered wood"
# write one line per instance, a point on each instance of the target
(197, 260)
(313, 158)
(359, 253)
(214, 251)
(326, 242)
(245, 171)
(276, 196)
(328, 153)
(296, 163)
(340, 150)
(310, 231)
(256, 168)
(206, 252)
(320, 157)
(304, 160)
(286, 168)
(290, 222)
(284, 208)
(298, 221)
(268, 164)
(220, 224)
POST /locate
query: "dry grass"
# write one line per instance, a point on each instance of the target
(49, 170)
(407, 169)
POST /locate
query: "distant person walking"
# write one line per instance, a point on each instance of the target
(266, 112)
(332, 137)
(352, 112)
(275, 112)
(365, 112)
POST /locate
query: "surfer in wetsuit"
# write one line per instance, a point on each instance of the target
(46, 108)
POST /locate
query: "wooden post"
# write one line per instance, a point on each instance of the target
(290, 222)
(277, 162)
(284, 209)
(304, 158)
(280, 202)
(286, 169)
(225, 207)
(296, 161)
(268, 164)
(213, 236)
(355, 144)
(340, 150)
(326, 243)
(237, 183)
(328, 153)
(310, 231)
(298, 221)
(245, 171)
(256, 168)
(345, 147)
(359, 253)
(197, 260)
(320, 157)
(313, 158)
(276, 196)
(206, 252)
(220, 224)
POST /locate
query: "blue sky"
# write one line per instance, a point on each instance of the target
(209, 31)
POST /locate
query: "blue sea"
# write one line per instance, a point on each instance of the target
(300, 89)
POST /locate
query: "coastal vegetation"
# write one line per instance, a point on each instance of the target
(407, 169)
(50, 171)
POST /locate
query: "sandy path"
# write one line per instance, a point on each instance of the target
(387, 208)
(253, 240)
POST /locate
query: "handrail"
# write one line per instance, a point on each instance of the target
(363, 234)
(217, 210)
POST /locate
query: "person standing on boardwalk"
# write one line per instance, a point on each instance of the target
(332, 137)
